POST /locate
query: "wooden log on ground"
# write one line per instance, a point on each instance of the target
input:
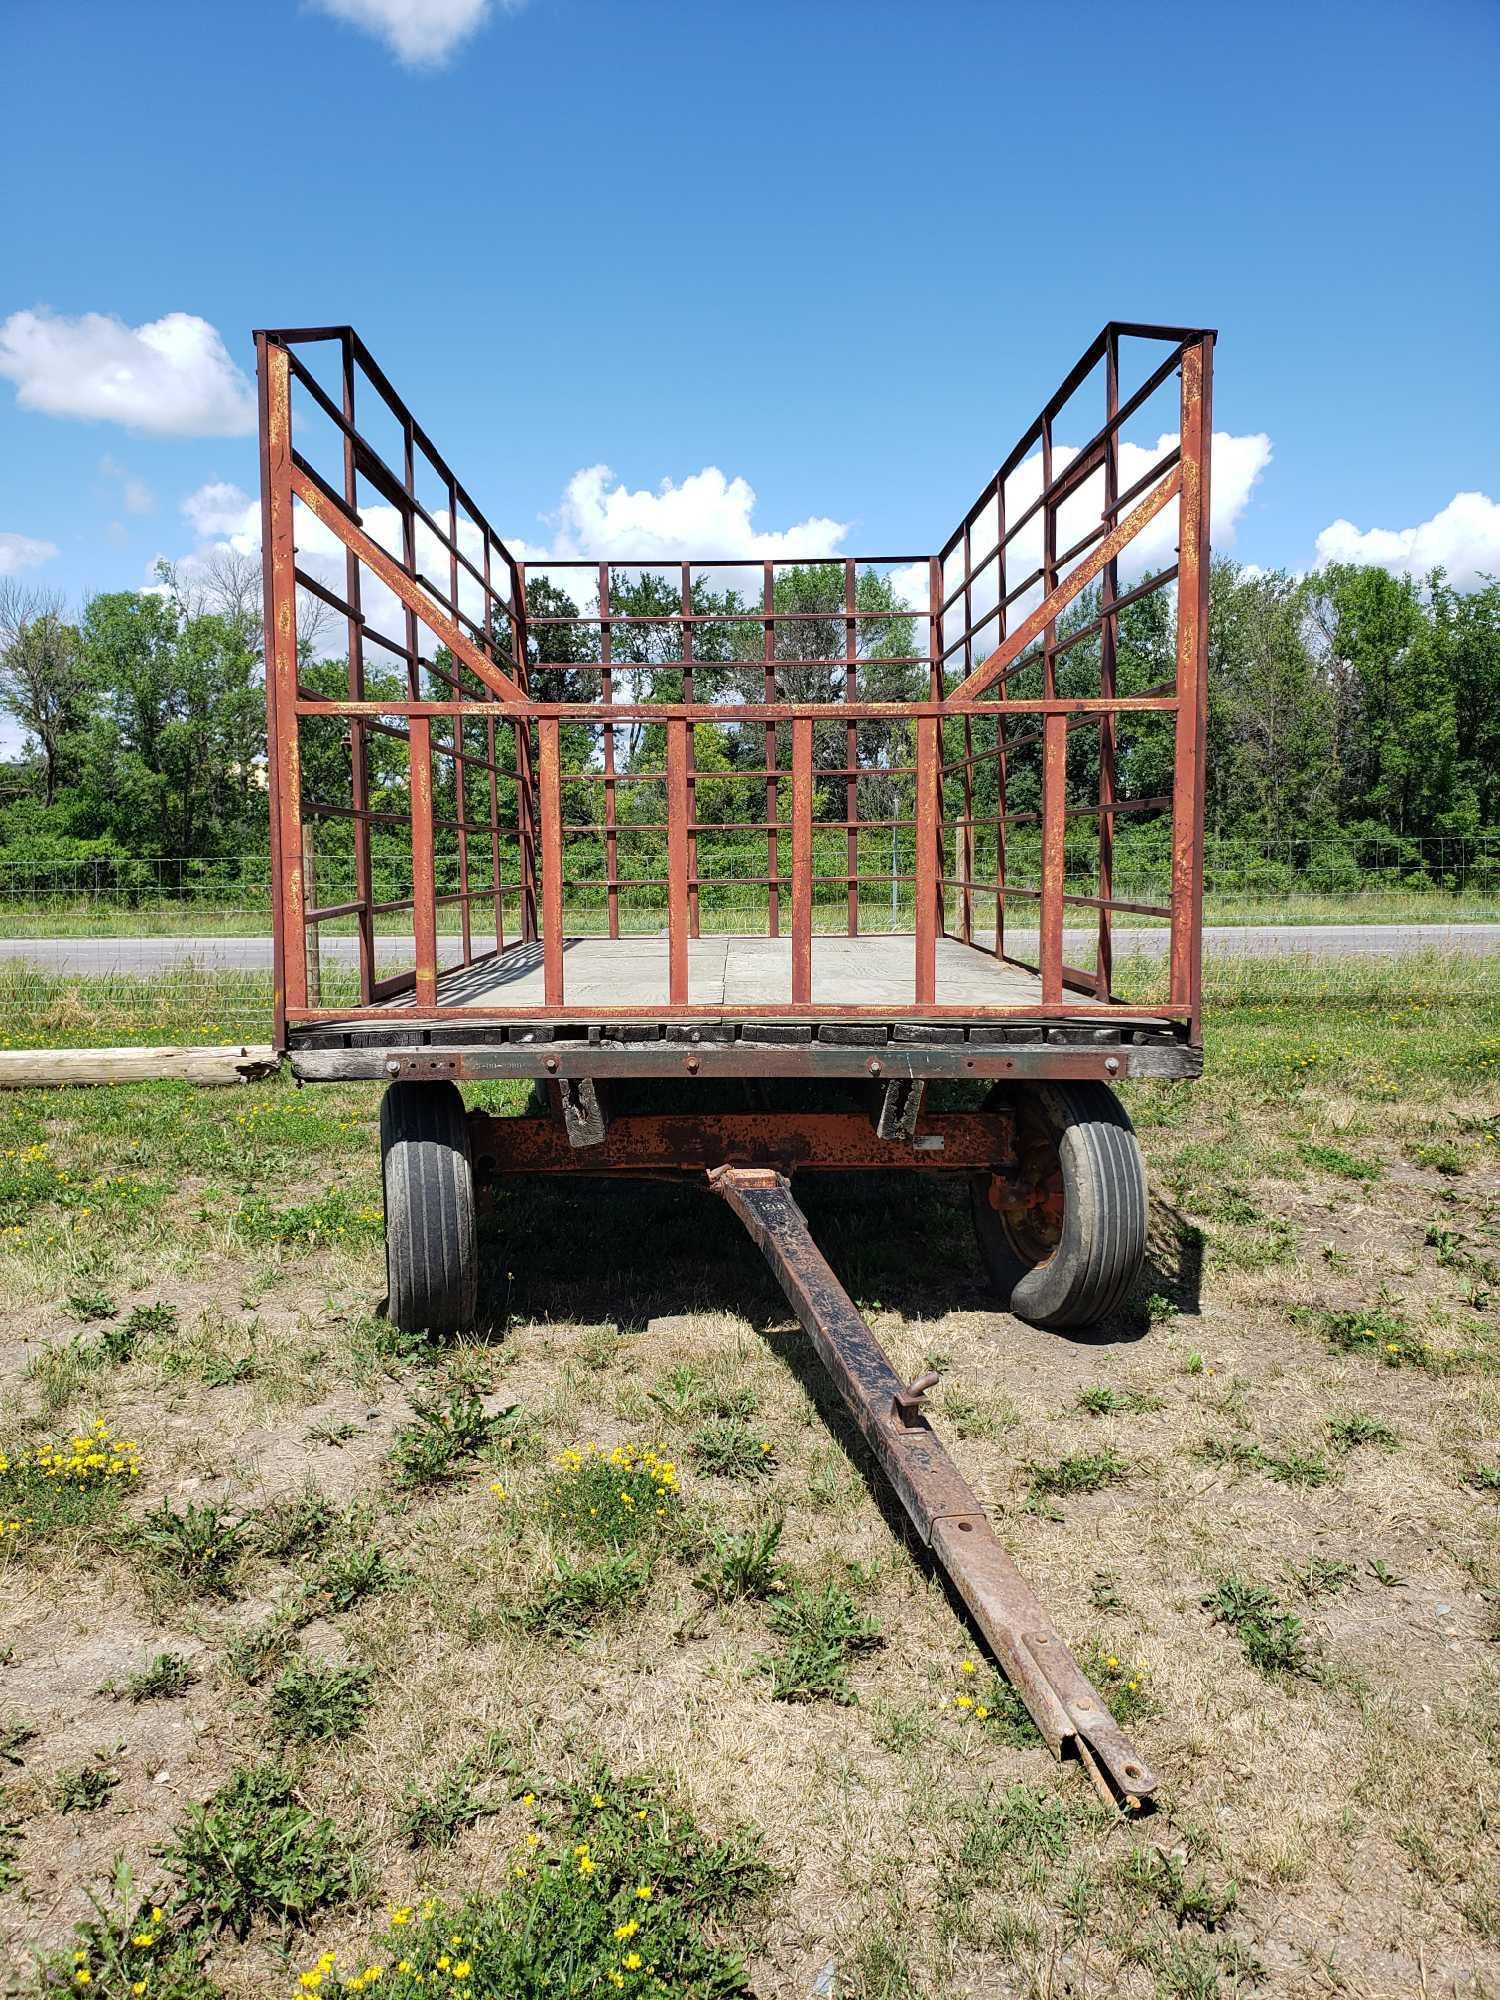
(34, 1069)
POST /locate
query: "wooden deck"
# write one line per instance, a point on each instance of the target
(730, 972)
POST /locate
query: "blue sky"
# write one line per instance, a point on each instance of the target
(839, 252)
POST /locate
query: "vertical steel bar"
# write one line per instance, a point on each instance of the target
(851, 746)
(607, 694)
(1049, 565)
(423, 847)
(773, 789)
(459, 792)
(489, 737)
(1192, 683)
(550, 759)
(359, 762)
(1054, 835)
(679, 906)
(423, 862)
(525, 814)
(692, 788)
(928, 835)
(290, 985)
(965, 844)
(1109, 588)
(802, 860)
(935, 692)
(1001, 772)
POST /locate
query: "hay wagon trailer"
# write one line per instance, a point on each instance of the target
(646, 833)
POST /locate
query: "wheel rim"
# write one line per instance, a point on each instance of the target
(1029, 1204)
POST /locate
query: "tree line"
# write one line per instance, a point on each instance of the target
(1347, 704)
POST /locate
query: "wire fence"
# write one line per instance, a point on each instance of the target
(169, 949)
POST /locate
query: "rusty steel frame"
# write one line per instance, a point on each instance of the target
(469, 650)
(697, 1143)
(943, 1508)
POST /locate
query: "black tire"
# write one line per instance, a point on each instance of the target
(432, 1265)
(1071, 1261)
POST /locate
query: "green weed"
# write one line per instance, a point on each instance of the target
(729, 1448)
(1161, 1878)
(1102, 1401)
(1084, 1472)
(622, 1893)
(198, 1550)
(1273, 1641)
(443, 1436)
(824, 1632)
(254, 1850)
(744, 1565)
(579, 1596)
(1334, 1160)
(310, 1702)
(434, 1816)
(86, 1788)
(167, 1676)
(1348, 1432)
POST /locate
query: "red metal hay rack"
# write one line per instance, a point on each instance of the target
(498, 706)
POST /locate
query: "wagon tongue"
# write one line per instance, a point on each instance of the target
(1066, 1707)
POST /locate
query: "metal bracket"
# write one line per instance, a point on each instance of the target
(584, 1118)
(900, 1108)
(906, 1404)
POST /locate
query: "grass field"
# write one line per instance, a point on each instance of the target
(582, 1656)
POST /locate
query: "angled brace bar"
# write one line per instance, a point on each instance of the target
(943, 1507)
(395, 579)
(1011, 649)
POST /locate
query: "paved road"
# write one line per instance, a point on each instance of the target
(148, 957)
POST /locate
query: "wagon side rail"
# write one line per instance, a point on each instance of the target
(1027, 595)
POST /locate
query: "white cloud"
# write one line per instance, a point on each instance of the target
(706, 515)
(1462, 539)
(223, 509)
(172, 377)
(703, 516)
(135, 495)
(421, 33)
(18, 552)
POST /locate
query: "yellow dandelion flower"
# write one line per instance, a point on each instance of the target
(968, 1667)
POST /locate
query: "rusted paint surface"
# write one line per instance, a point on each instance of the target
(668, 1061)
(281, 678)
(679, 911)
(825, 1142)
(552, 863)
(802, 807)
(929, 863)
(940, 1503)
